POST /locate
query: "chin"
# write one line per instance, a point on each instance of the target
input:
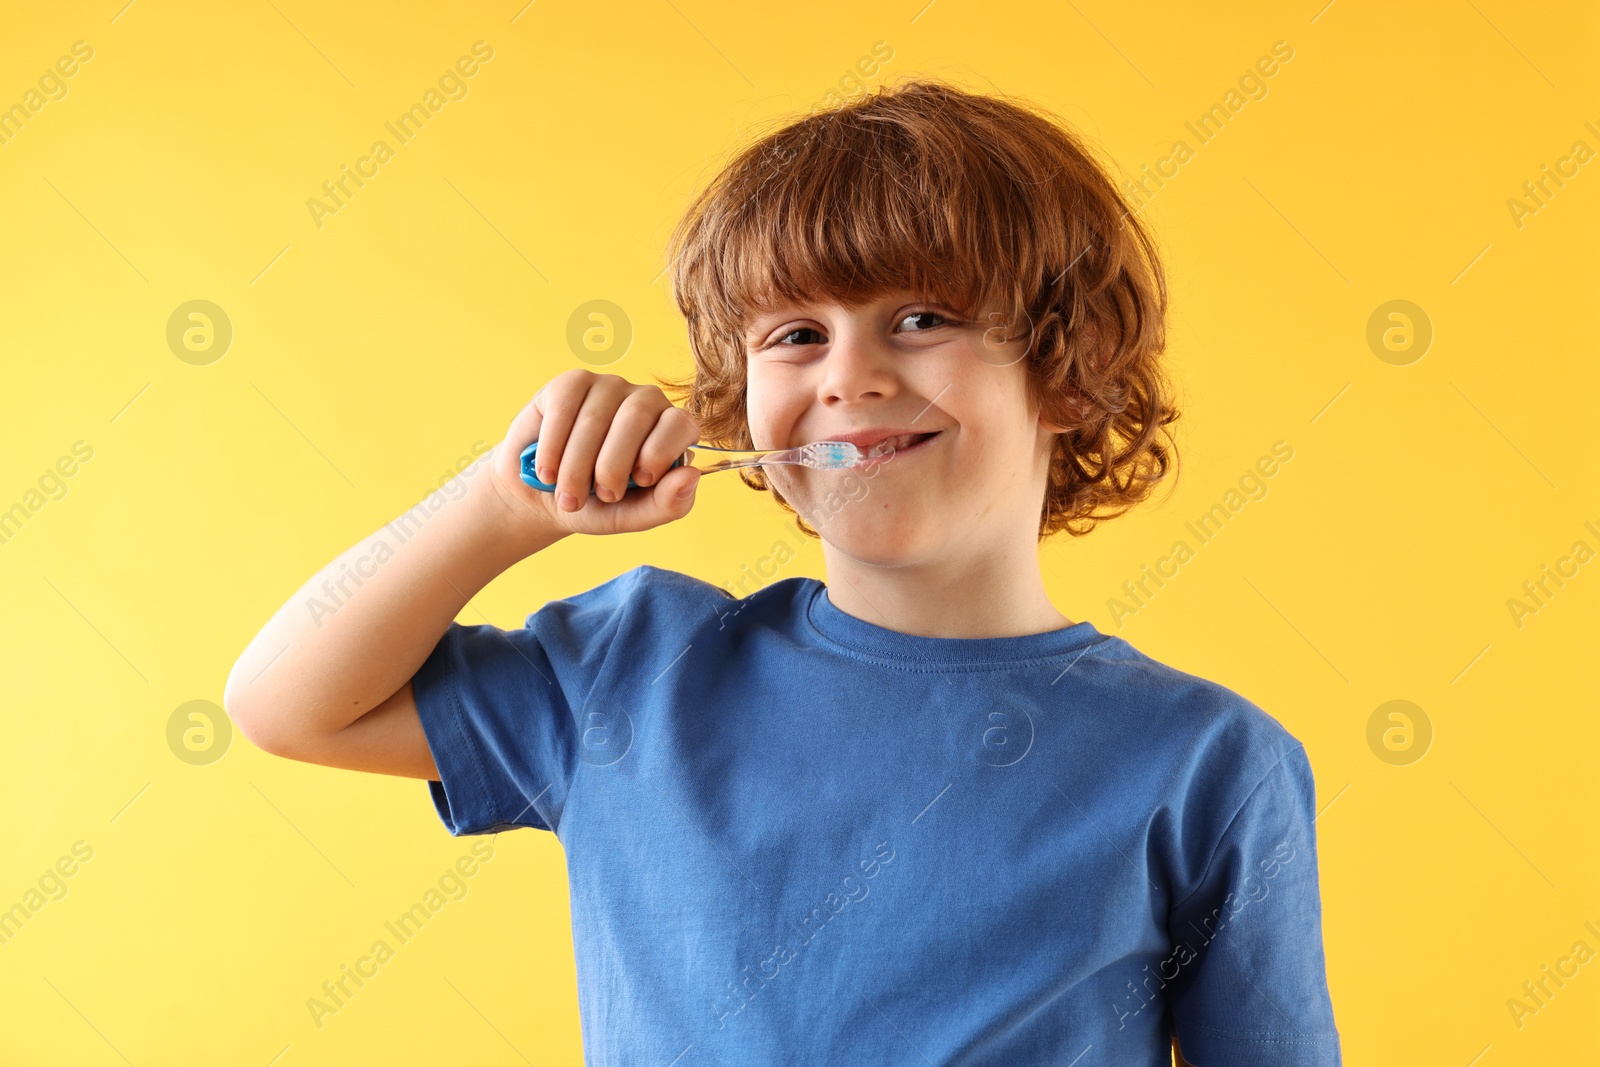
(880, 540)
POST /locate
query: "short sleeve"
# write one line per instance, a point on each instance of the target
(500, 710)
(1251, 983)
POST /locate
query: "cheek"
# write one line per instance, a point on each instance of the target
(772, 409)
(996, 438)
(760, 418)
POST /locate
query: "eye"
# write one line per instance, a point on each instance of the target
(927, 321)
(925, 315)
(781, 341)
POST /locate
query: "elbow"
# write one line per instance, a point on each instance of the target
(249, 720)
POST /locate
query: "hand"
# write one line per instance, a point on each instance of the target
(600, 428)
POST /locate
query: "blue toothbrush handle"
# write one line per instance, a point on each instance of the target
(530, 466)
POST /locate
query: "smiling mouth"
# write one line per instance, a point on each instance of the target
(890, 445)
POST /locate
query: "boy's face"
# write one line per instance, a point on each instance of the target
(895, 365)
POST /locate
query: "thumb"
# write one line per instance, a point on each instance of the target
(655, 505)
(675, 493)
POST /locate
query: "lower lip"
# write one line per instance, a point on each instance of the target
(875, 461)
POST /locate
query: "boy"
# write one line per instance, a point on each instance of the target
(914, 815)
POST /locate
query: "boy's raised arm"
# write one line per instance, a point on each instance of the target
(328, 679)
(354, 634)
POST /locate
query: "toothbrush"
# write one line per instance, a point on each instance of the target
(819, 455)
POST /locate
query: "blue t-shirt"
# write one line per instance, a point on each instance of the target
(795, 836)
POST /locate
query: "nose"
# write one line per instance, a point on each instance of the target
(858, 366)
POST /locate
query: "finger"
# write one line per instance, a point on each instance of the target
(674, 432)
(575, 472)
(629, 428)
(643, 509)
(548, 420)
(676, 491)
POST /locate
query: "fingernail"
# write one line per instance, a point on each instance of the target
(604, 493)
(686, 490)
(567, 502)
(641, 477)
(546, 475)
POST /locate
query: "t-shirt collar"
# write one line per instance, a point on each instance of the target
(869, 640)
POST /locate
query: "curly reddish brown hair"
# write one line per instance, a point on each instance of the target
(979, 202)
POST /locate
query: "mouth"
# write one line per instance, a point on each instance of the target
(889, 447)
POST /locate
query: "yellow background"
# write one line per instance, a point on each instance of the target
(370, 354)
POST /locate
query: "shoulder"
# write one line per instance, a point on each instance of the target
(1205, 727)
(661, 585)
(647, 595)
(647, 587)
(1222, 766)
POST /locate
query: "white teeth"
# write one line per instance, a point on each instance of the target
(891, 444)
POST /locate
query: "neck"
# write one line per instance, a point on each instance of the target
(992, 595)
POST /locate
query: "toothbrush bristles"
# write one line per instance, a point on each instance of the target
(835, 455)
